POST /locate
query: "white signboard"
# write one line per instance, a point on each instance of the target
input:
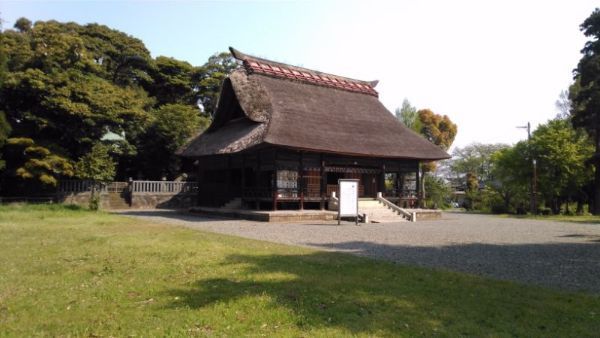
(348, 194)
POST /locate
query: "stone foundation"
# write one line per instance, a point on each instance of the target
(159, 201)
(113, 201)
(426, 214)
(268, 216)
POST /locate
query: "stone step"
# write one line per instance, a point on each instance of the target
(377, 212)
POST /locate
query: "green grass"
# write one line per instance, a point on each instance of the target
(589, 219)
(70, 272)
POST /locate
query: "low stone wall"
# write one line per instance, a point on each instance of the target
(107, 200)
(160, 201)
(426, 214)
(111, 201)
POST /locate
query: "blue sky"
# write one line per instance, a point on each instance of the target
(489, 66)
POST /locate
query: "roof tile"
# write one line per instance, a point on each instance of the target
(288, 73)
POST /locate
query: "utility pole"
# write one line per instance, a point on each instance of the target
(533, 185)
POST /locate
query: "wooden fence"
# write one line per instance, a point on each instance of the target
(136, 187)
(164, 187)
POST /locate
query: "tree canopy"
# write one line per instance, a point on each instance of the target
(65, 86)
(474, 159)
(407, 114)
(585, 92)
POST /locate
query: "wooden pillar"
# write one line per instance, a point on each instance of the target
(243, 188)
(274, 186)
(382, 180)
(323, 188)
(228, 195)
(300, 183)
(257, 186)
(199, 199)
(418, 187)
(399, 185)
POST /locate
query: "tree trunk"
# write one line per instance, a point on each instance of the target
(579, 210)
(555, 206)
(596, 194)
(596, 210)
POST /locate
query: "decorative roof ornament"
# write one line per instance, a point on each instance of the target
(262, 66)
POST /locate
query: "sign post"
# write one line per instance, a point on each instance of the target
(348, 194)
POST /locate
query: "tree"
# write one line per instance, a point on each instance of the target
(209, 77)
(585, 94)
(439, 130)
(65, 86)
(172, 81)
(474, 159)
(438, 192)
(408, 116)
(96, 166)
(172, 126)
(511, 171)
(4, 132)
(23, 25)
(41, 163)
(563, 105)
(561, 152)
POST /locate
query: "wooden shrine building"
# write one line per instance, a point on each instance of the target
(282, 136)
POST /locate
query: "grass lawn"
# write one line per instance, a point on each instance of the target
(69, 272)
(590, 219)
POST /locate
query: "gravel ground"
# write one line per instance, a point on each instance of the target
(552, 254)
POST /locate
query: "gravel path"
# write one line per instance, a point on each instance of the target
(553, 254)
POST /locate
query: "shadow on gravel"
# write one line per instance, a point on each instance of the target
(568, 266)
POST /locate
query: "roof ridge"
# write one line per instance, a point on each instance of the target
(258, 65)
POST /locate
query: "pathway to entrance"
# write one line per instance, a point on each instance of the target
(554, 254)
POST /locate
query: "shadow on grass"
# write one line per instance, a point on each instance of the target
(564, 266)
(336, 291)
(173, 214)
(363, 296)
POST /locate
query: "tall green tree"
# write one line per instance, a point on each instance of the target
(408, 115)
(474, 159)
(511, 171)
(210, 76)
(172, 82)
(97, 166)
(562, 174)
(43, 163)
(561, 152)
(585, 94)
(4, 133)
(172, 125)
(65, 86)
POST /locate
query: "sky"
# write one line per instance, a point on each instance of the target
(489, 65)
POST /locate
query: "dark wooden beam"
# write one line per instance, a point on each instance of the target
(300, 183)
(257, 180)
(323, 188)
(274, 180)
(418, 188)
(382, 180)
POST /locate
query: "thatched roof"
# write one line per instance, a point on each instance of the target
(265, 102)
